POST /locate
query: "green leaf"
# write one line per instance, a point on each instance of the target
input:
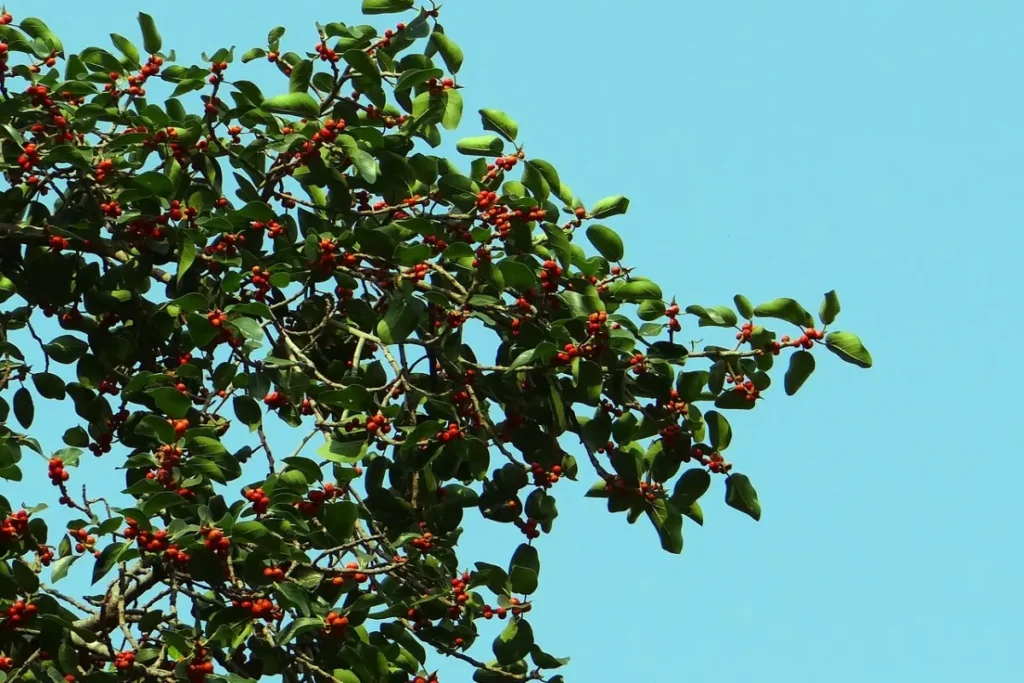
(386, 6)
(410, 78)
(516, 274)
(253, 54)
(66, 349)
(638, 290)
(351, 397)
(719, 429)
(107, 559)
(450, 52)
(785, 309)
(514, 643)
(127, 48)
(668, 522)
(363, 64)
(542, 660)
(24, 408)
(293, 104)
(829, 308)
(691, 485)
(606, 241)
(49, 385)
(156, 427)
(740, 494)
(187, 256)
(801, 365)
(151, 40)
(452, 109)
(717, 316)
(524, 569)
(399, 321)
(171, 401)
(156, 183)
(609, 206)
(744, 306)
(37, 29)
(481, 145)
(298, 81)
(849, 347)
(247, 409)
(500, 122)
(59, 569)
(76, 437)
(411, 254)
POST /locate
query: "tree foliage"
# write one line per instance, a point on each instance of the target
(441, 335)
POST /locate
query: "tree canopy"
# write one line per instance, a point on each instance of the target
(216, 262)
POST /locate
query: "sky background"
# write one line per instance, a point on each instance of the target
(769, 149)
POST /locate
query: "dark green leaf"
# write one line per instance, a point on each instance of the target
(151, 40)
(829, 308)
(720, 431)
(638, 290)
(248, 410)
(24, 408)
(386, 6)
(49, 385)
(293, 104)
(740, 494)
(500, 122)
(514, 643)
(450, 52)
(524, 569)
(801, 365)
(606, 241)
(609, 206)
(785, 309)
(849, 347)
(482, 145)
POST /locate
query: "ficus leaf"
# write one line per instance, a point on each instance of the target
(849, 347)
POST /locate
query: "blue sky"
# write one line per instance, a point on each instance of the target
(772, 149)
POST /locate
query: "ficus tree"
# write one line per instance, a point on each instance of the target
(189, 263)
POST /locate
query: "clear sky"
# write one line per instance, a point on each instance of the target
(771, 149)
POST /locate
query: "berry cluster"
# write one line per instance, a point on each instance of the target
(671, 312)
(216, 541)
(56, 472)
(155, 542)
(275, 400)
(418, 272)
(351, 573)
(18, 614)
(639, 363)
(169, 457)
(452, 433)
(515, 607)
(545, 478)
(745, 387)
(124, 660)
(84, 541)
(260, 608)
(424, 543)
(274, 573)
(200, 666)
(45, 555)
(261, 281)
(335, 624)
(529, 527)
(14, 526)
(549, 275)
(259, 499)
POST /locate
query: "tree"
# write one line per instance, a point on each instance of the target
(331, 294)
